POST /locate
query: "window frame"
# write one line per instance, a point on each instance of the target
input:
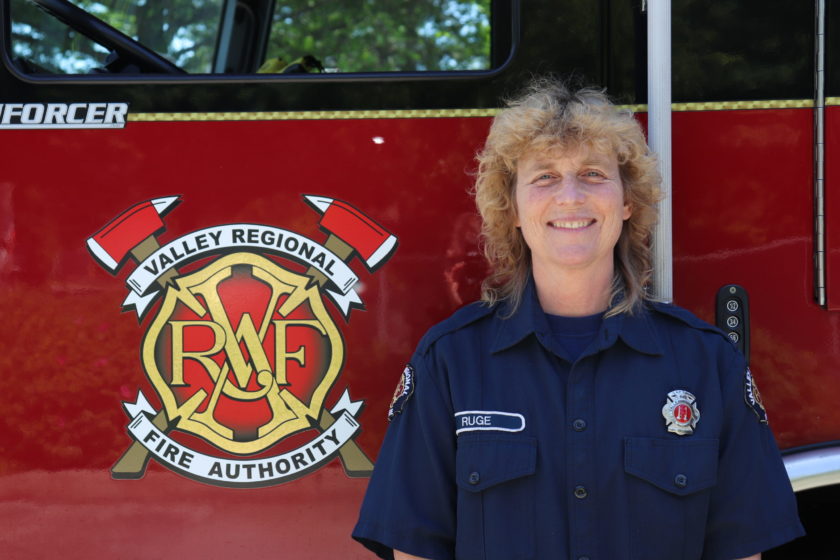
(510, 34)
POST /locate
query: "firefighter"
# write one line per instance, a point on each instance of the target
(568, 414)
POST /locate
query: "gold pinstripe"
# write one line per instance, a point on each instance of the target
(741, 105)
(445, 113)
(313, 115)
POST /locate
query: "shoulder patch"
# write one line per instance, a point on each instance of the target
(458, 320)
(752, 397)
(404, 390)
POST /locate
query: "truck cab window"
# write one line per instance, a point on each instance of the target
(350, 36)
(86, 37)
(249, 36)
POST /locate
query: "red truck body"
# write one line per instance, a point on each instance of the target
(743, 213)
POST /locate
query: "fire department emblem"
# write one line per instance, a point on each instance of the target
(753, 397)
(242, 351)
(404, 390)
(681, 412)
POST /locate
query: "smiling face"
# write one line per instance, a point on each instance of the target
(570, 209)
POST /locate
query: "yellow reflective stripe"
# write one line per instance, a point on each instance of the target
(313, 115)
(733, 105)
(742, 105)
(448, 113)
(635, 108)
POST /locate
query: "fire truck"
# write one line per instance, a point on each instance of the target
(224, 226)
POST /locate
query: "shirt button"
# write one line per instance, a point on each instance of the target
(580, 492)
(474, 478)
(681, 481)
(579, 425)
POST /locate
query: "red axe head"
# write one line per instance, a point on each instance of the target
(372, 242)
(111, 244)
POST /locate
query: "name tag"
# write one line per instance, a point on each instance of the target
(479, 420)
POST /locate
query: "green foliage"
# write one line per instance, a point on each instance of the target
(183, 31)
(375, 36)
(348, 36)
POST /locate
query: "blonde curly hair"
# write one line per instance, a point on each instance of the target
(549, 116)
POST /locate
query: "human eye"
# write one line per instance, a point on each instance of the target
(543, 178)
(594, 175)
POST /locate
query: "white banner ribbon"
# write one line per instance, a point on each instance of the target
(142, 282)
(247, 472)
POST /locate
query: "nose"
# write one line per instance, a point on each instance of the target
(570, 191)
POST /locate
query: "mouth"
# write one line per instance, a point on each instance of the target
(571, 224)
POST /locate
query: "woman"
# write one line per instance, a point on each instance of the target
(568, 415)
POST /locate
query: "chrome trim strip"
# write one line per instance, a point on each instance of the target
(659, 137)
(814, 468)
(819, 158)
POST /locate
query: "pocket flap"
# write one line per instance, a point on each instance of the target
(484, 460)
(680, 467)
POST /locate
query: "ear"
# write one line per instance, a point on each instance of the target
(514, 206)
(625, 192)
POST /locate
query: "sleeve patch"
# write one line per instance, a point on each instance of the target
(404, 390)
(753, 398)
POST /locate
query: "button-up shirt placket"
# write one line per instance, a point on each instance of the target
(581, 467)
(580, 458)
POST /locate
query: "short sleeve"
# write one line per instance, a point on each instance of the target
(410, 499)
(752, 507)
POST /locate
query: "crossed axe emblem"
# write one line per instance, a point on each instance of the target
(133, 234)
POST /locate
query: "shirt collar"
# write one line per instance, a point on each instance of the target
(526, 320)
(635, 330)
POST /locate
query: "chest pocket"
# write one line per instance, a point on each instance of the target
(496, 496)
(668, 495)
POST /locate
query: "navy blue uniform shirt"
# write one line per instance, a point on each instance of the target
(502, 449)
(574, 333)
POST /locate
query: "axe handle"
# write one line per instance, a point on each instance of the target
(144, 250)
(339, 247)
(356, 463)
(132, 464)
